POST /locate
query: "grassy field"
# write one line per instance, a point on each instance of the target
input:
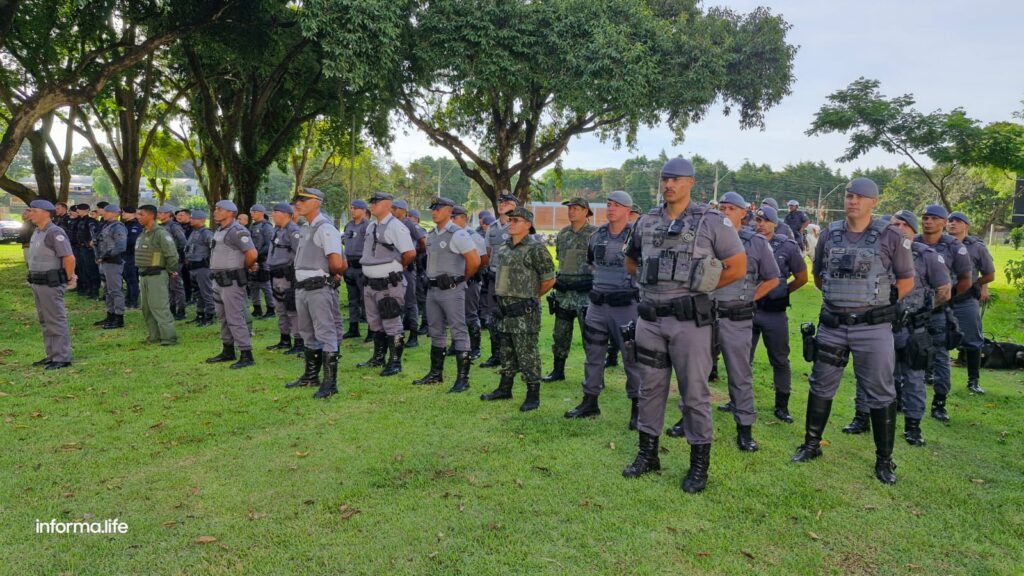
(391, 478)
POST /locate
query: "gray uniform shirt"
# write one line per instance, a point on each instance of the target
(761, 266)
(981, 258)
(230, 245)
(894, 250)
(389, 233)
(112, 240)
(353, 238)
(48, 247)
(326, 241)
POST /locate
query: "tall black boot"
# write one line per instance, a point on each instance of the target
(245, 360)
(861, 423)
(646, 460)
(179, 313)
(700, 460)
(634, 413)
(283, 344)
(329, 386)
(353, 331)
(116, 322)
(380, 346)
(782, 408)
(436, 373)
(495, 359)
(297, 347)
(227, 354)
(503, 391)
(612, 360)
(912, 431)
(677, 430)
(939, 408)
(557, 373)
(369, 335)
(745, 438)
(462, 362)
(271, 312)
(818, 410)
(973, 357)
(397, 345)
(532, 400)
(106, 320)
(587, 408)
(314, 359)
(422, 330)
(257, 311)
(414, 340)
(474, 341)
(883, 421)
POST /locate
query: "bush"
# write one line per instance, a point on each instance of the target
(1015, 276)
(1017, 237)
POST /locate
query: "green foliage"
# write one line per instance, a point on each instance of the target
(101, 184)
(1014, 271)
(1017, 237)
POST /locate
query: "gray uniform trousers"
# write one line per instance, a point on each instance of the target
(339, 320)
(914, 393)
(473, 303)
(371, 297)
(317, 313)
(968, 315)
(287, 320)
(488, 302)
(774, 328)
(940, 362)
(735, 341)
(115, 293)
(177, 288)
(874, 362)
(53, 319)
(447, 308)
(602, 325)
(231, 304)
(412, 311)
(256, 287)
(204, 290)
(354, 283)
(687, 349)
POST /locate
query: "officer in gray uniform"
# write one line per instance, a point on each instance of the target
(460, 216)
(912, 340)
(319, 266)
(967, 305)
(51, 269)
(496, 237)
(387, 250)
(352, 238)
(612, 305)
(944, 328)
(784, 231)
(111, 243)
(451, 258)
(232, 254)
(682, 251)
(262, 234)
(858, 265)
(736, 305)
(411, 314)
(421, 275)
(280, 263)
(165, 215)
(796, 220)
(197, 261)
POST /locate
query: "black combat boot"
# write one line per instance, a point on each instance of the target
(677, 431)
(297, 347)
(818, 410)
(271, 312)
(353, 331)
(884, 424)
(697, 476)
(532, 400)
(116, 322)
(495, 359)
(462, 362)
(329, 386)
(245, 360)
(436, 373)
(587, 408)
(899, 394)
(179, 313)
(414, 340)
(369, 335)
(557, 373)
(713, 375)
(422, 330)
(782, 407)
(745, 439)
(973, 357)
(646, 460)
(860, 424)
(257, 311)
(939, 408)
(912, 432)
(729, 406)
(380, 347)
(503, 391)
(474, 341)
(314, 359)
(634, 413)
(105, 321)
(283, 344)
(396, 344)
(227, 354)
(207, 320)
(613, 356)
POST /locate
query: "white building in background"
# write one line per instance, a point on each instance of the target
(81, 186)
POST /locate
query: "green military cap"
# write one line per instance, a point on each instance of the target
(581, 202)
(520, 212)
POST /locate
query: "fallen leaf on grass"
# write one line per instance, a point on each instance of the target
(703, 554)
(71, 447)
(747, 554)
(826, 443)
(204, 540)
(68, 495)
(519, 483)
(990, 405)
(254, 515)
(870, 507)
(159, 424)
(977, 480)
(302, 454)
(169, 523)
(348, 511)
(814, 536)
(672, 529)
(818, 515)
(2, 394)
(611, 445)
(917, 513)
(194, 490)
(462, 507)
(309, 502)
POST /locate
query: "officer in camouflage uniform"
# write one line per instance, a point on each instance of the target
(231, 257)
(525, 274)
(51, 268)
(280, 263)
(496, 237)
(352, 237)
(165, 214)
(197, 261)
(967, 305)
(111, 244)
(568, 302)
(473, 285)
(156, 257)
(259, 282)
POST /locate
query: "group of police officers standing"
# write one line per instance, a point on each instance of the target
(671, 290)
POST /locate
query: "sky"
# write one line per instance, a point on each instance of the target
(947, 54)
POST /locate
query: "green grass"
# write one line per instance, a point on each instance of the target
(447, 484)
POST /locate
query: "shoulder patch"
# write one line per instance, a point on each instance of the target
(60, 237)
(245, 238)
(941, 259)
(726, 221)
(906, 243)
(962, 251)
(296, 235)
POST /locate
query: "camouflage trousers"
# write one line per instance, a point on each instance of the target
(519, 353)
(562, 333)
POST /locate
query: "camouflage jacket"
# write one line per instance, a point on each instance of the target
(522, 268)
(571, 250)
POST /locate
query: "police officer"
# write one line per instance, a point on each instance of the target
(62, 219)
(421, 275)
(352, 237)
(156, 257)
(319, 265)
(411, 314)
(131, 272)
(797, 220)
(281, 265)
(771, 321)
(966, 305)
(460, 216)
(197, 262)
(111, 244)
(387, 251)
(177, 287)
(682, 251)
(568, 301)
(525, 274)
(51, 269)
(89, 284)
(612, 305)
(784, 231)
(259, 281)
(451, 259)
(858, 265)
(496, 238)
(912, 341)
(232, 255)
(184, 219)
(943, 322)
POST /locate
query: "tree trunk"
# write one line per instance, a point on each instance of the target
(41, 165)
(17, 189)
(247, 182)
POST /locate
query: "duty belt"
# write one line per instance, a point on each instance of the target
(583, 285)
(314, 283)
(696, 307)
(738, 313)
(197, 264)
(880, 315)
(150, 271)
(392, 279)
(521, 307)
(283, 271)
(614, 299)
(445, 282)
(54, 277)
